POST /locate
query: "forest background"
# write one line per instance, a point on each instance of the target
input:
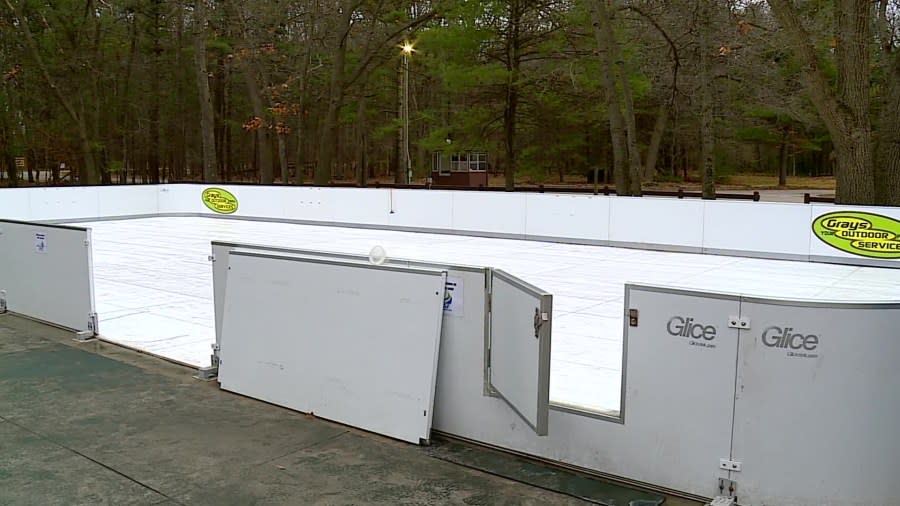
(299, 91)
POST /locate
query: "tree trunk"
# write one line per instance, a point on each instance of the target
(328, 144)
(509, 129)
(659, 129)
(634, 154)
(707, 141)
(207, 118)
(300, 155)
(846, 112)
(282, 157)
(600, 22)
(406, 165)
(511, 105)
(783, 160)
(398, 161)
(29, 165)
(9, 160)
(362, 172)
(180, 158)
(263, 133)
(887, 146)
(7, 157)
(88, 173)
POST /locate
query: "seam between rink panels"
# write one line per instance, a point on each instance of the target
(734, 398)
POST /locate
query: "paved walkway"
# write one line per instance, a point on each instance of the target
(96, 424)
(81, 428)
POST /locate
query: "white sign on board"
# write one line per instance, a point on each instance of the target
(40, 243)
(454, 293)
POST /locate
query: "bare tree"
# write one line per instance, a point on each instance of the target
(707, 133)
(207, 118)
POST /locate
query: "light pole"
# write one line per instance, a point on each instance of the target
(407, 52)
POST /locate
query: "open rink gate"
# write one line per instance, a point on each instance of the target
(46, 274)
(347, 340)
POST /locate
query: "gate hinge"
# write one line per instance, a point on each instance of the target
(539, 319)
(211, 372)
(214, 359)
(739, 322)
(211, 258)
(93, 324)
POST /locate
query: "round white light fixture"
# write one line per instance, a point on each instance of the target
(377, 256)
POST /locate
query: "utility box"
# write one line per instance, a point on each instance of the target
(468, 168)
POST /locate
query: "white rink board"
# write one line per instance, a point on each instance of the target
(758, 228)
(679, 389)
(580, 217)
(154, 285)
(741, 228)
(349, 342)
(68, 202)
(657, 221)
(14, 204)
(45, 271)
(140, 200)
(837, 411)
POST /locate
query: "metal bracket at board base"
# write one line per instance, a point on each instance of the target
(92, 331)
(727, 493)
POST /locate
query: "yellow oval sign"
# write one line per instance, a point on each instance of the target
(864, 234)
(219, 200)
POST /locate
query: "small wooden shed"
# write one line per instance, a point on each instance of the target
(459, 168)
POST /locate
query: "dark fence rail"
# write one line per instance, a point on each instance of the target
(808, 199)
(604, 190)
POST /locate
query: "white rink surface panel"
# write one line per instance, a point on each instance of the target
(153, 285)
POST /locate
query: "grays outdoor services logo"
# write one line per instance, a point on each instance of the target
(219, 200)
(697, 334)
(795, 344)
(859, 233)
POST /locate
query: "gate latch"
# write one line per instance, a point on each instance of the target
(539, 319)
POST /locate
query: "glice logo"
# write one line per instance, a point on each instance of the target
(786, 338)
(699, 334)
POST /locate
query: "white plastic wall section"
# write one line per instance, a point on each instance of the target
(46, 273)
(758, 229)
(286, 339)
(670, 426)
(74, 203)
(818, 404)
(834, 416)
